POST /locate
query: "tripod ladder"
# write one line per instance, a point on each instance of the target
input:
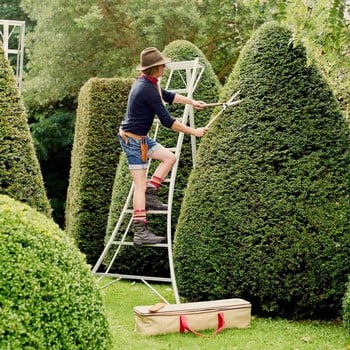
(189, 73)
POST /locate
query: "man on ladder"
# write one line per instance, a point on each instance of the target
(146, 100)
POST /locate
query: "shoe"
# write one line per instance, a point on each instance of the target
(142, 235)
(152, 202)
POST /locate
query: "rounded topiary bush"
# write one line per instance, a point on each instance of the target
(48, 299)
(346, 308)
(266, 210)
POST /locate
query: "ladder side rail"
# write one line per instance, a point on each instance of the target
(169, 79)
(119, 246)
(115, 230)
(188, 110)
(193, 139)
(5, 38)
(20, 61)
(193, 81)
(169, 217)
(155, 291)
(170, 204)
(201, 70)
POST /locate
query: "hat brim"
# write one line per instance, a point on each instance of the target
(162, 61)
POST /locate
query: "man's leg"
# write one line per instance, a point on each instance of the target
(167, 160)
(142, 235)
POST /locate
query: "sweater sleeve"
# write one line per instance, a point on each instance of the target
(156, 103)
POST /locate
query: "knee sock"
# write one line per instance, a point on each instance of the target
(155, 182)
(139, 215)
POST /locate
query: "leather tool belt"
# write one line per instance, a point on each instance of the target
(143, 145)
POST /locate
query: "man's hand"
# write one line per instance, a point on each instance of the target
(199, 132)
(199, 104)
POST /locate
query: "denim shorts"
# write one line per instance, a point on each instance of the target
(132, 150)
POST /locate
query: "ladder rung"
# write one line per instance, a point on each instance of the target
(177, 65)
(132, 277)
(179, 91)
(130, 211)
(158, 245)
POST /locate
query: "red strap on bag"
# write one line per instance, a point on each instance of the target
(185, 327)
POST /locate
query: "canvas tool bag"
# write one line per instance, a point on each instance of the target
(193, 317)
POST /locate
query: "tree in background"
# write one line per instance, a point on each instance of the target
(225, 27)
(52, 130)
(322, 27)
(266, 210)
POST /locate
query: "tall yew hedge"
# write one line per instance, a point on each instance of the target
(148, 260)
(20, 174)
(266, 211)
(95, 156)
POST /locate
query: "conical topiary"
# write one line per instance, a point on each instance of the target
(95, 156)
(266, 211)
(20, 174)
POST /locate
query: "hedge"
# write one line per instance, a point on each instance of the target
(346, 308)
(95, 156)
(266, 211)
(151, 261)
(20, 174)
(48, 299)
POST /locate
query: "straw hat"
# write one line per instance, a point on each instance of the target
(151, 57)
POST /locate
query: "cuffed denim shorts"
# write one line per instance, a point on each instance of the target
(132, 150)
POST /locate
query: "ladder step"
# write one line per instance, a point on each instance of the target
(133, 277)
(130, 211)
(179, 91)
(157, 245)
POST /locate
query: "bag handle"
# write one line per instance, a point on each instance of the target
(185, 327)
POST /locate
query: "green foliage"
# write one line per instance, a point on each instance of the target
(207, 90)
(53, 133)
(48, 299)
(20, 175)
(227, 25)
(74, 41)
(63, 52)
(95, 156)
(265, 213)
(323, 30)
(346, 307)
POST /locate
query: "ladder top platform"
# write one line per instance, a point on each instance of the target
(184, 65)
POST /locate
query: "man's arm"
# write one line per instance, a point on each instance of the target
(186, 100)
(179, 127)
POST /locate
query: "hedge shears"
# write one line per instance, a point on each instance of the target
(231, 102)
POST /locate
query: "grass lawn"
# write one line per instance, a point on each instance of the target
(263, 334)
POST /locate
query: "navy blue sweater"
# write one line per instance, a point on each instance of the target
(144, 103)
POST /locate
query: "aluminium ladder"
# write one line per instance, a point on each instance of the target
(190, 73)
